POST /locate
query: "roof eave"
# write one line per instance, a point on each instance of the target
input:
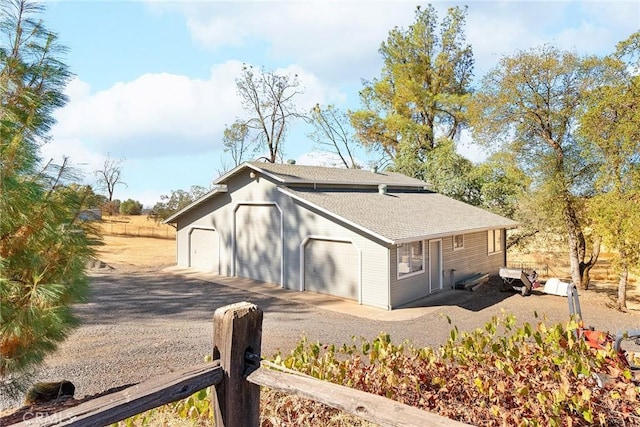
(219, 189)
(278, 178)
(393, 241)
(233, 172)
(371, 184)
(450, 233)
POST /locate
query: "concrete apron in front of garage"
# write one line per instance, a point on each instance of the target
(412, 310)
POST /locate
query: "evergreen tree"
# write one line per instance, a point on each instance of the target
(423, 89)
(44, 247)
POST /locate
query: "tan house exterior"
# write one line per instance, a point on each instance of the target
(381, 239)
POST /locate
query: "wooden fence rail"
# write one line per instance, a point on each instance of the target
(237, 376)
(119, 229)
(133, 400)
(528, 266)
(371, 407)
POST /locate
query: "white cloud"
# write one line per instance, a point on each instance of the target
(324, 158)
(600, 27)
(163, 114)
(497, 29)
(153, 114)
(339, 40)
(164, 121)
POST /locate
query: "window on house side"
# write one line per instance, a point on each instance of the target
(410, 258)
(494, 241)
(458, 242)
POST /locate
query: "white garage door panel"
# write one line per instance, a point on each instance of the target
(258, 242)
(332, 267)
(204, 249)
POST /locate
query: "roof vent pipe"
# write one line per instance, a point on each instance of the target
(382, 188)
(374, 168)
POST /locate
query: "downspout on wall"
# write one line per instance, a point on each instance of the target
(389, 307)
(504, 249)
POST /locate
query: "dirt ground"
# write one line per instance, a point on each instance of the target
(142, 321)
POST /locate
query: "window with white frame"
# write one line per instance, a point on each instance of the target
(458, 242)
(494, 241)
(410, 258)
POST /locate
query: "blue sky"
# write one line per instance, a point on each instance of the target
(154, 81)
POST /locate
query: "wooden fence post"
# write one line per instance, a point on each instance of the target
(237, 338)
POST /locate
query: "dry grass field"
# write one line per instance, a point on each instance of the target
(127, 243)
(135, 225)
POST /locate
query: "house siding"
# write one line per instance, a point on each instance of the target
(257, 241)
(302, 223)
(298, 222)
(472, 259)
(407, 289)
(332, 267)
(284, 224)
(219, 213)
(201, 217)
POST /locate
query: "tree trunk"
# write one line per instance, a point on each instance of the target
(622, 284)
(574, 263)
(577, 247)
(585, 267)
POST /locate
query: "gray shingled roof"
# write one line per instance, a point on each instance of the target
(399, 217)
(299, 174)
(395, 217)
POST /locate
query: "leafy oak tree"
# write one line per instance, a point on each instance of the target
(422, 90)
(501, 185)
(610, 132)
(131, 207)
(44, 247)
(178, 199)
(529, 106)
(451, 174)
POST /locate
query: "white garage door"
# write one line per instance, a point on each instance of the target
(332, 267)
(203, 249)
(258, 242)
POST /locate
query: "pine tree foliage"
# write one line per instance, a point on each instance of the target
(422, 91)
(44, 247)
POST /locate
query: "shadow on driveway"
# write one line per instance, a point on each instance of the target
(141, 296)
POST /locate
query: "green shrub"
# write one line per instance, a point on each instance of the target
(131, 207)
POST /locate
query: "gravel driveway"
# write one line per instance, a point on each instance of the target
(140, 324)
